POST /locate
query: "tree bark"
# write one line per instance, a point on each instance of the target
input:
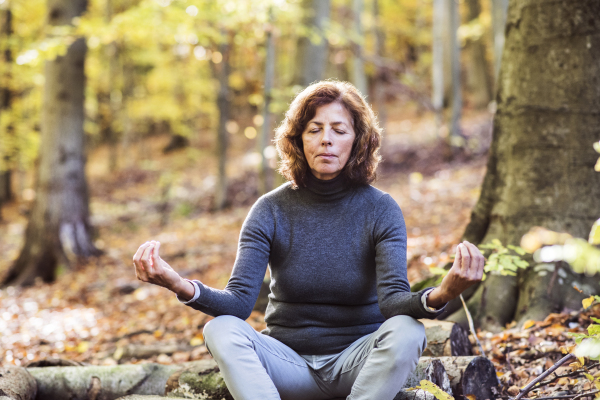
(446, 339)
(6, 152)
(499, 8)
(312, 48)
(224, 106)
(265, 176)
(188, 380)
(456, 101)
(59, 223)
(479, 78)
(17, 383)
(380, 81)
(437, 67)
(359, 78)
(541, 165)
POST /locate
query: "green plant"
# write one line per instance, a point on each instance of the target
(503, 260)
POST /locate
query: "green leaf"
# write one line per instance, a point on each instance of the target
(438, 271)
(596, 320)
(595, 233)
(593, 329)
(517, 249)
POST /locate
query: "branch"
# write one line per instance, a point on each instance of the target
(573, 373)
(471, 325)
(550, 370)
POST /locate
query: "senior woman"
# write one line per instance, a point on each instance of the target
(341, 320)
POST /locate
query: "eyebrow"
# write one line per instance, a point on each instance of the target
(333, 123)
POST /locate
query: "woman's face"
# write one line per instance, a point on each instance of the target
(328, 139)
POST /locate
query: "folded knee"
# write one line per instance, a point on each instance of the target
(222, 329)
(404, 333)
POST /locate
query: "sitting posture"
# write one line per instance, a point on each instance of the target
(341, 319)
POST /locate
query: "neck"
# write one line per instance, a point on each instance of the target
(328, 187)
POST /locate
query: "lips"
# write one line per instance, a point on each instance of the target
(326, 155)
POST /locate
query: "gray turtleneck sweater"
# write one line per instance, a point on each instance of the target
(337, 259)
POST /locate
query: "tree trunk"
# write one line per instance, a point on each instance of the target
(224, 106)
(499, 8)
(380, 80)
(6, 152)
(479, 78)
(312, 48)
(437, 68)
(359, 79)
(112, 52)
(541, 164)
(265, 176)
(59, 222)
(456, 102)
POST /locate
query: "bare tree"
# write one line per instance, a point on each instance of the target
(59, 221)
(313, 47)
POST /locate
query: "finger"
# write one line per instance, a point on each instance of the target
(145, 258)
(138, 255)
(140, 271)
(139, 251)
(466, 260)
(155, 254)
(458, 257)
(474, 253)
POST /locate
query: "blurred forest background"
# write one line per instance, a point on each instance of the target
(123, 121)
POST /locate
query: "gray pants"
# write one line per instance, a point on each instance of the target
(259, 367)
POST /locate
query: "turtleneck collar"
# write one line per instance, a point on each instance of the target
(331, 188)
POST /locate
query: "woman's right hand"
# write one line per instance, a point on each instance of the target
(149, 267)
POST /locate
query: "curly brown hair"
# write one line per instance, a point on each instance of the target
(364, 157)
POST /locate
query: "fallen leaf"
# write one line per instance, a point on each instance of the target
(587, 302)
(528, 324)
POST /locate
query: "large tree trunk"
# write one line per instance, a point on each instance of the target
(498, 25)
(479, 78)
(541, 165)
(59, 222)
(312, 48)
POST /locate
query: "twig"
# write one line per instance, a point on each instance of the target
(471, 327)
(573, 373)
(579, 396)
(550, 370)
(507, 355)
(568, 396)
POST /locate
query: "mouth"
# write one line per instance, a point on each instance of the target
(327, 155)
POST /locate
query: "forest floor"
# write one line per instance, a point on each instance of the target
(98, 313)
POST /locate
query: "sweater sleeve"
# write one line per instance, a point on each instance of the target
(393, 289)
(248, 272)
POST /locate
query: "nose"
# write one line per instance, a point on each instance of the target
(326, 139)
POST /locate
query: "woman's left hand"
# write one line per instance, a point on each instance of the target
(466, 270)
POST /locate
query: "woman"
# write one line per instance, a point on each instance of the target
(341, 320)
